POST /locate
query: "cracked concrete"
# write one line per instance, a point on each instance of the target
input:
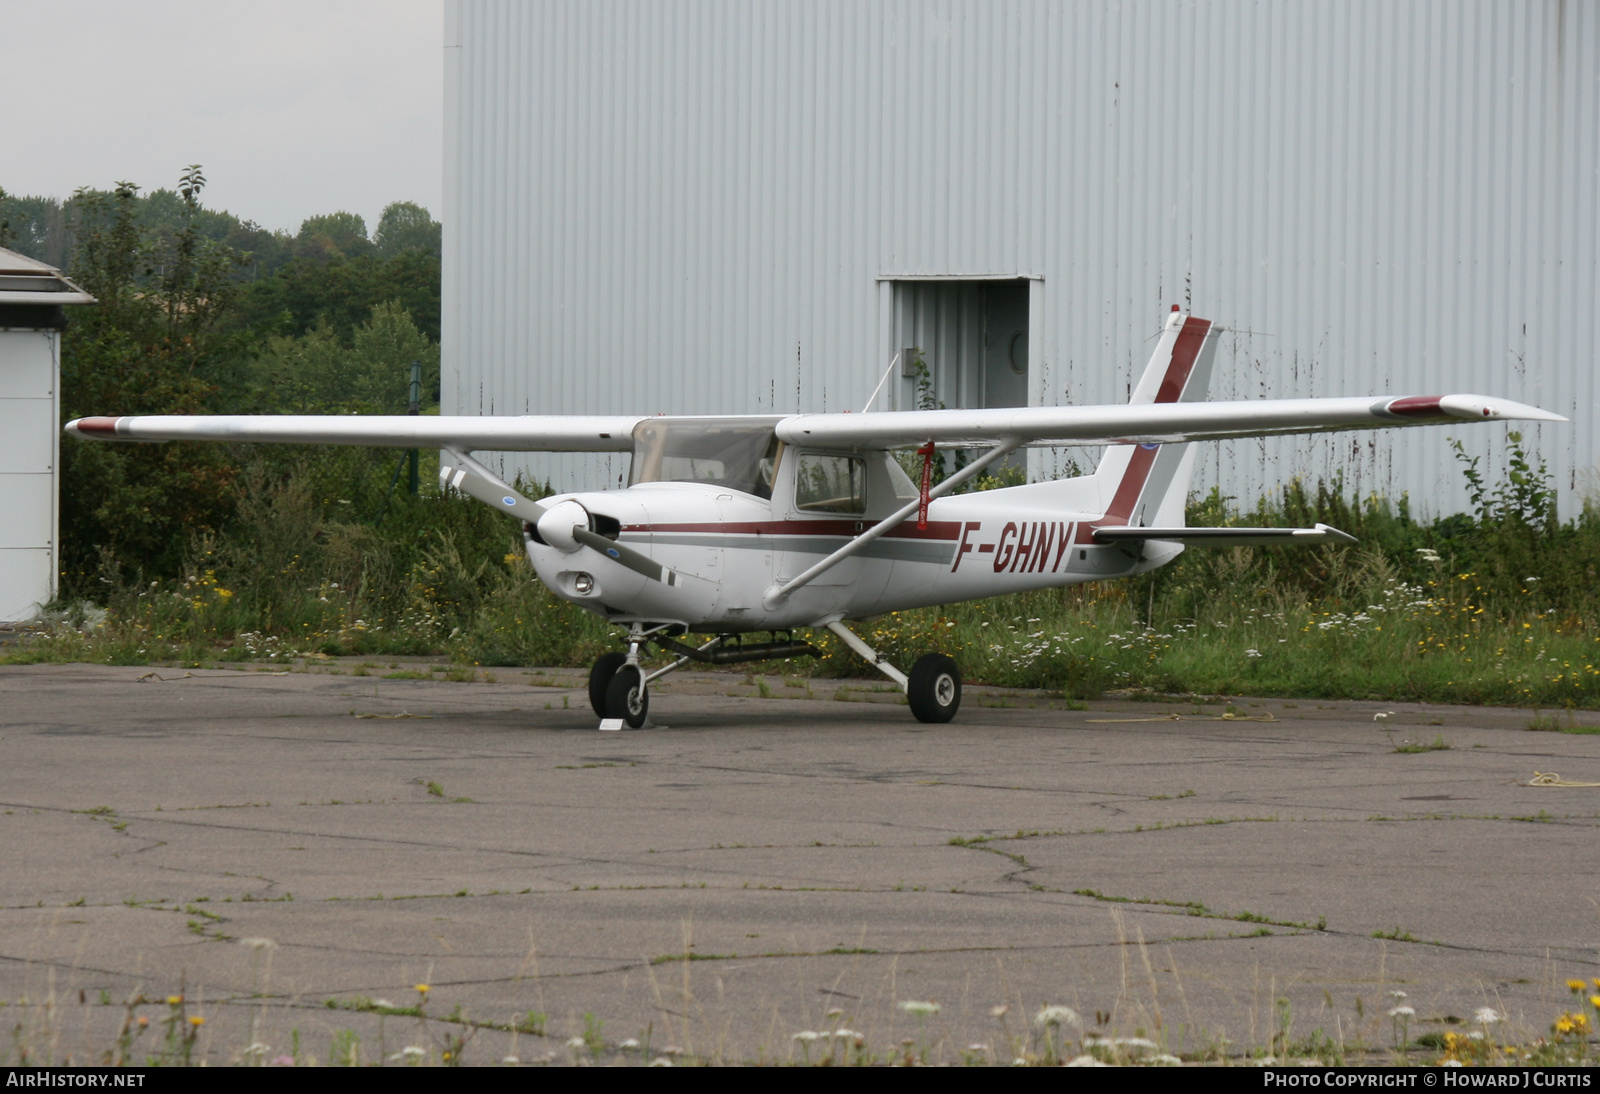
(1173, 875)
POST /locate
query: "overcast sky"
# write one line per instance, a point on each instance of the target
(294, 108)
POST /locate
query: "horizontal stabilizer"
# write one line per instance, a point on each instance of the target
(1229, 537)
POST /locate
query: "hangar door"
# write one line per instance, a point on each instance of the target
(962, 344)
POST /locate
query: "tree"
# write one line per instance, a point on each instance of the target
(342, 294)
(404, 226)
(318, 374)
(150, 346)
(333, 236)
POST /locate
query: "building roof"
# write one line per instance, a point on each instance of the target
(25, 280)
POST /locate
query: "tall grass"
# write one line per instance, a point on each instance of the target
(1496, 606)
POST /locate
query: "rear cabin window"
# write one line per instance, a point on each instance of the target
(830, 484)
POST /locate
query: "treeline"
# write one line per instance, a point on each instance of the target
(200, 312)
(332, 270)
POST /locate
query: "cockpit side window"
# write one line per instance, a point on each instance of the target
(711, 451)
(826, 483)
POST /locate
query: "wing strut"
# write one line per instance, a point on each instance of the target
(779, 593)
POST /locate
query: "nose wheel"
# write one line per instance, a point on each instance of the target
(600, 676)
(627, 697)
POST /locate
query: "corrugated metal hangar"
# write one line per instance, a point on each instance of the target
(718, 207)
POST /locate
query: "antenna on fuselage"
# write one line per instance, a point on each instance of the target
(874, 396)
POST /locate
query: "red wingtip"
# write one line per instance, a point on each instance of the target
(96, 427)
(1417, 406)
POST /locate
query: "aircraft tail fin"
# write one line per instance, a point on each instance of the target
(1148, 484)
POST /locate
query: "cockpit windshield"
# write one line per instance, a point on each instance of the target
(715, 451)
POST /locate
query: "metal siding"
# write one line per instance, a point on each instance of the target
(29, 422)
(685, 208)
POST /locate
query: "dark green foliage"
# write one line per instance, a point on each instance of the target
(342, 292)
(406, 226)
(334, 235)
(149, 347)
(180, 328)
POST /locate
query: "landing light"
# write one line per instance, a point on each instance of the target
(583, 584)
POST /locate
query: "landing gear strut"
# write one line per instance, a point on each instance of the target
(934, 687)
(619, 686)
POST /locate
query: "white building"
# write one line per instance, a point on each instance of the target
(719, 207)
(31, 320)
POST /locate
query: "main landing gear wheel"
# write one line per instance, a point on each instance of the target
(600, 679)
(627, 698)
(934, 688)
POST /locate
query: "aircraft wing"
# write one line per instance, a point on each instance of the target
(527, 433)
(1147, 423)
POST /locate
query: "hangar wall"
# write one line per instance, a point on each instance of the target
(700, 207)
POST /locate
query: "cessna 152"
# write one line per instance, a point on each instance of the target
(741, 524)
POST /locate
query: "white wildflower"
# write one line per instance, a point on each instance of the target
(1084, 1061)
(629, 1045)
(574, 1042)
(661, 1061)
(1402, 1011)
(919, 1009)
(1057, 1016)
(806, 1036)
(1487, 1016)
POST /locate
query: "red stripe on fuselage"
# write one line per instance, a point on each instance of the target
(936, 530)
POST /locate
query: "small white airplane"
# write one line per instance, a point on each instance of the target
(736, 525)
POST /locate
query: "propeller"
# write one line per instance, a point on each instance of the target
(475, 480)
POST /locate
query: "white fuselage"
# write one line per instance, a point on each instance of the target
(730, 548)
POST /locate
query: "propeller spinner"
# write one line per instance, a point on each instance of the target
(564, 525)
